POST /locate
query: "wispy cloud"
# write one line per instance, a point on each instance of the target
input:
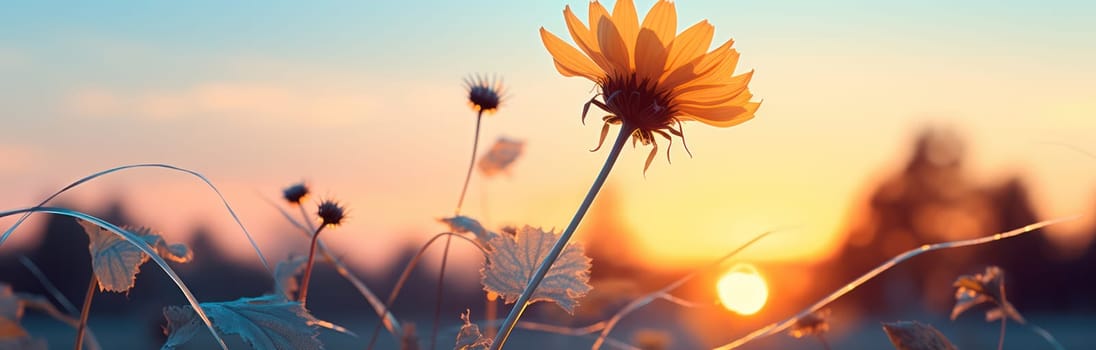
(238, 100)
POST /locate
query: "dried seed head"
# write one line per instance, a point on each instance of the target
(295, 193)
(331, 213)
(484, 94)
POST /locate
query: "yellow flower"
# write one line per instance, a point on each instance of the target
(651, 78)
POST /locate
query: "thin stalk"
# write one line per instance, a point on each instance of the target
(407, 274)
(1001, 339)
(85, 311)
(825, 343)
(303, 297)
(778, 327)
(491, 314)
(387, 319)
(471, 163)
(542, 270)
(440, 293)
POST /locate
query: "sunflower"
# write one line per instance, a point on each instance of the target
(651, 78)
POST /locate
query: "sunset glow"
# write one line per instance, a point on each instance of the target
(743, 290)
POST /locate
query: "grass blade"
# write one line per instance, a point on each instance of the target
(139, 243)
(4, 237)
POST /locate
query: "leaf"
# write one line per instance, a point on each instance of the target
(907, 335)
(815, 323)
(513, 259)
(285, 275)
(465, 224)
(116, 261)
(266, 322)
(987, 287)
(501, 155)
(469, 337)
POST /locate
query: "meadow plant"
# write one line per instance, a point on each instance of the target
(651, 81)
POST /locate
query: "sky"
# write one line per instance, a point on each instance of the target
(363, 100)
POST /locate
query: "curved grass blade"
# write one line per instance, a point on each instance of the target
(664, 293)
(137, 241)
(782, 325)
(81, 181)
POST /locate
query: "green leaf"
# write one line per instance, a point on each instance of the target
(512, 261)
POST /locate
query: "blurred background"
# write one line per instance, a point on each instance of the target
(883, 127)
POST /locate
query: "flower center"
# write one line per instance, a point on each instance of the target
(639, 104)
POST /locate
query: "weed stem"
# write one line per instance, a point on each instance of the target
(407, 273)
(85, 311)
(303, 298)
(471, 163)
(542, 270)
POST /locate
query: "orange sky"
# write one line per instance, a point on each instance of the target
(377, 118)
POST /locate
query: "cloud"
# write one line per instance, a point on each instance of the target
(247, 101)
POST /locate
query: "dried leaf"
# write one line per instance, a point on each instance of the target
(116, 261)
(512, 261)
(266, 322)
(501, 155)
(465, 224)
(12, 334)
(988, 287)
(816, 323)
(469, 337)
(907, 335)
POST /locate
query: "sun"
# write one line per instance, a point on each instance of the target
(743, 290)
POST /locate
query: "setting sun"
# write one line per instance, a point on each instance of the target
(743, 290)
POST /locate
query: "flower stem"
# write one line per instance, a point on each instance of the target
(471, 163)
(303, 297)
(80, 330)
(1001, 339)
(542, 270)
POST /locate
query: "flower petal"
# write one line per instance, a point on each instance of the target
(585, 39)
(713, 89)
(597, 12)
(689, 45)
(616, 53)
(698, 67)
(722, 116)
(568, 60)
(627, 23)
(662, 20)
(656, 34)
